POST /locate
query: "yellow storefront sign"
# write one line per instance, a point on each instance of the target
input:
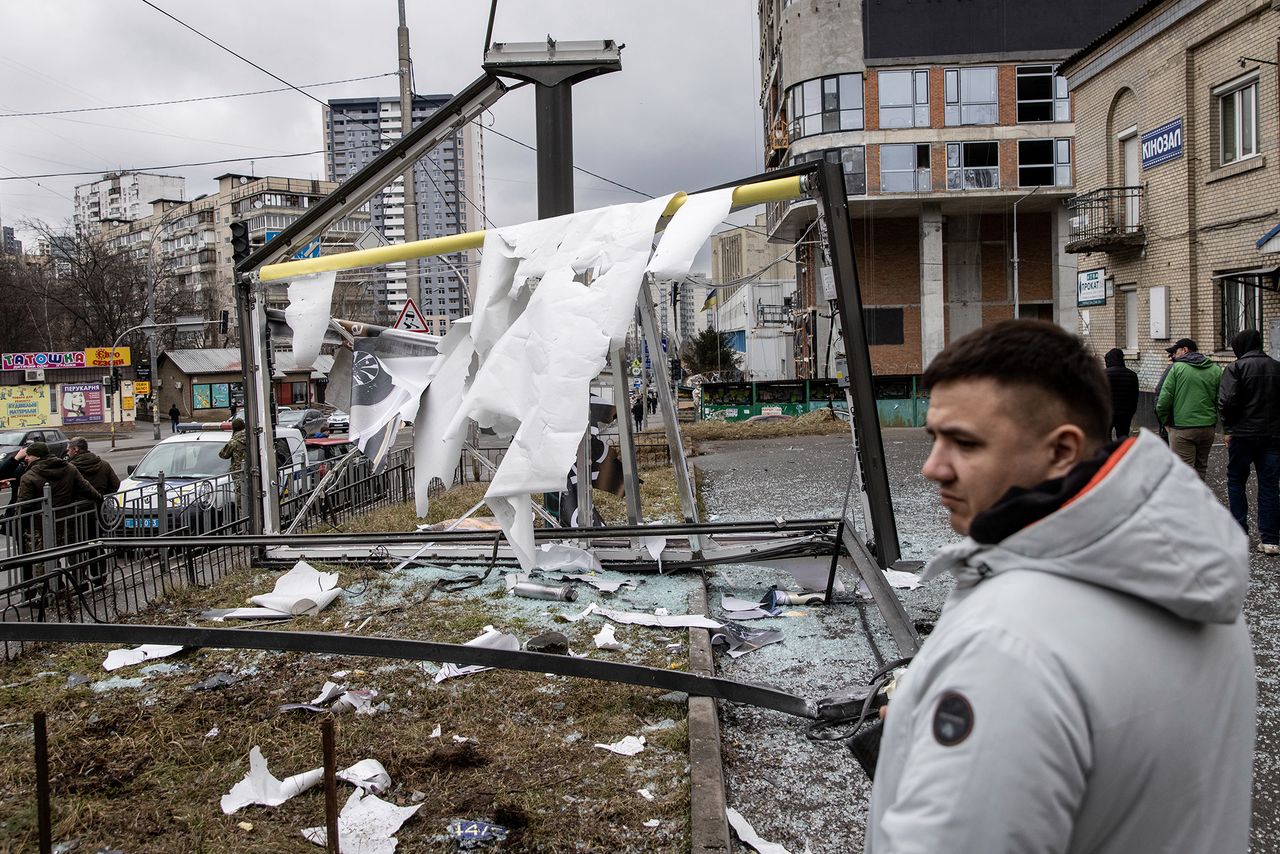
(142, 388)
(127, 402)
(106, 357)
(24, 406)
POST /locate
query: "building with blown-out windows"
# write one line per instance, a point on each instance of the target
(943, 116)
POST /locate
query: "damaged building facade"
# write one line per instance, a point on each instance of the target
(1175, 220)
(943, 116)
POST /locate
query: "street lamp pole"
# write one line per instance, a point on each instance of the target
(165, 221)
(146, 324)
(1015, 250)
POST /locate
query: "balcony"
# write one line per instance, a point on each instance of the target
(1106, 220)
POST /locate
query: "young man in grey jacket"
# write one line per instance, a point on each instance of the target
(1089, 686)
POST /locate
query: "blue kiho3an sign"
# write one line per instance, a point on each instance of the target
(1162, 144)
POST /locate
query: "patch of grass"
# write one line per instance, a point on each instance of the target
(134, 768)
(817, 423)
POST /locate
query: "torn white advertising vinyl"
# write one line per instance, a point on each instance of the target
(629, 746)
(260, 787)
(605, 638)
(564, 556)
(637, 618)
(601, 584)
(491, 638)
(376, 402)
(687, 231)
(748, 835)
(435, 451)
(740, 640)
(744, 609)
(308, 313)
(301, 590)
(118, 658)
(811, 573)
(367, 774)
(366, 825)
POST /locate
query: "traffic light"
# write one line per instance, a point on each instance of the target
(106, 384)
(224, 322)
(115, 380)
(240, 248)
(677, 372)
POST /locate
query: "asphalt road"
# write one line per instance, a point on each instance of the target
(806, 795)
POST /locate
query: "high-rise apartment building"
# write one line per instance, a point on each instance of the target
(122, 197)
(942, 116)
(449, 186)
(191, 241)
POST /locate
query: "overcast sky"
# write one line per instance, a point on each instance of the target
(682, 114)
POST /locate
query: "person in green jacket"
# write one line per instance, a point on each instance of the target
(1187, 404)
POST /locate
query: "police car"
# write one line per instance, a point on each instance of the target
(199, 486)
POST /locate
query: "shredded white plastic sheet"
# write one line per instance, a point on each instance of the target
(491, 638)
(636, 618)
(366, 825)
(118, 658)
(261, 787)
(748, 835)
(524, 364)
(301, 590)
(308, 313)
(629, 746)
(605, 638)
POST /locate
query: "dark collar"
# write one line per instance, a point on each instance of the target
(1020, 507)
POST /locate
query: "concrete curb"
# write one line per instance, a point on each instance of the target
(708, 801)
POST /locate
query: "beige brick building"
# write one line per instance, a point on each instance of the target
(1175, 221)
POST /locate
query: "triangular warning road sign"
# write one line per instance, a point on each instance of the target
(410, 318)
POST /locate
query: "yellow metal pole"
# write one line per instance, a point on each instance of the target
(748, 195)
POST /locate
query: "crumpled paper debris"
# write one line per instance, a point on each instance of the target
(641, 619)
(740, 640)
(629, 746)
(491, 638)
(366, 825)
(749, 837)
(605, 638)
(302, 591)
(261, 787)
(118, 658)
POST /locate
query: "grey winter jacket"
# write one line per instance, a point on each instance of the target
(1089, 686)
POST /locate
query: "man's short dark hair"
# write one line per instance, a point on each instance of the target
(80, 443)
(1037, 356)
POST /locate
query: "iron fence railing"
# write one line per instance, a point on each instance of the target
(1106, 215)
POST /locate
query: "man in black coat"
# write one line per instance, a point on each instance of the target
(1249, 403)
(1124, 393)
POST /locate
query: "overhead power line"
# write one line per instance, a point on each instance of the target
(158, 168)
(191, 100)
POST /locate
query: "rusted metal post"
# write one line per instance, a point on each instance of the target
(330, 786)
(43, 819)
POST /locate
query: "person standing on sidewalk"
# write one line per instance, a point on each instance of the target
(637, 412)
(1124, 393)
(174, 415)
(1187, 404)
(1089, 687)
(1249, 399)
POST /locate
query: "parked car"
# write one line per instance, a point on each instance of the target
(339, 422)
(309, 421)
(199, 486)
(12, 440)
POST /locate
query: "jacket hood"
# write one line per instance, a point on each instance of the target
(1245, 341)
(1148, 528)
(86, 458)
(50, 466)
(1195, 360)
(1114, 358)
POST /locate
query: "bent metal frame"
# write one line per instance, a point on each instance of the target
(692, 544)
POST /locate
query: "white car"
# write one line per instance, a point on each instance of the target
(199, 486)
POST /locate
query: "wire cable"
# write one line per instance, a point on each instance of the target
(190, 100)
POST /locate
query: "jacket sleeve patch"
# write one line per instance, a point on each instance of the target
(953, 719)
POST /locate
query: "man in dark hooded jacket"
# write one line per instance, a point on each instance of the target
(1249, 399)
(1124, 392)
(97, 471)
(66, 484)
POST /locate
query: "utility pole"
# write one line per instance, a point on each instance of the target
(413, 269)
(1016, 313)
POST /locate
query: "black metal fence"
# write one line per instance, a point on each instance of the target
(109, 575)
(1106, 215)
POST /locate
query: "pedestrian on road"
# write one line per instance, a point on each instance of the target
(174, 415)
(653, 401)
(1187, 404)
(97, 471)
(637, 412)
(233, 410)
(1249, 399)
(1059, 702)
(1124, 393)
